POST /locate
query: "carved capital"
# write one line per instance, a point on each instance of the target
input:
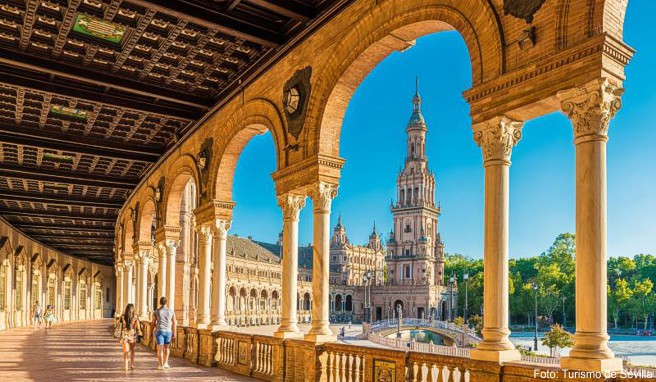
(204, 232)
(322, 195)
(590, 108)
(221, 228)
(291, 205)
(497, 137)
(128, 265)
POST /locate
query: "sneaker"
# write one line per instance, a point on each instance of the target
(166, 366)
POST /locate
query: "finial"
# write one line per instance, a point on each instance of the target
(417, 85)
(374, 226)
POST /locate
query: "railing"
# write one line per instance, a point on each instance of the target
(448, 328)
(398, 343)
(550, 361)
(255, 356)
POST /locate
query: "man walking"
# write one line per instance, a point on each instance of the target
(164, 327)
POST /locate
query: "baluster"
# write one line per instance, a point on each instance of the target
(334, 367)
(458, 375)
(342, 367)
(260, 357)
(354, 368)
(360, 368)
(415, 369)
(440, 373)
(347, 368)
(429, 374)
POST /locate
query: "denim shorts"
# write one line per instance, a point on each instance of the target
(163, 338)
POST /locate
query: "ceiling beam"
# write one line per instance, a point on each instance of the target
(213, 19)
(55, 215)
(85, 246)
(81, 145)
(72, 91)
(72, 236)
(61, 199)
(291, 9)
(66, 177)
(22, 60)
(59, 227)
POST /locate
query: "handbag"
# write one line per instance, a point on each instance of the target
(139, 332)
(118, 329)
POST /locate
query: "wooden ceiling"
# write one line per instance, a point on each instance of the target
(93, 92)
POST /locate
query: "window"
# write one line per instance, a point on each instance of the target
(407, 252)
(334, 258)
(83, 296)
(98, 300)
(51, 291)
(407, 272)
(407, 228)
(67, 295)
(3, 288)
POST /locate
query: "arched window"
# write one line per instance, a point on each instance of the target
(407, 271)
(51, 291)
(67, 294)
(83, 295)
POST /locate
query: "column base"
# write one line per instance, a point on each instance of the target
(285, 334)
(591, 364)
(320, 338)
(498, 356)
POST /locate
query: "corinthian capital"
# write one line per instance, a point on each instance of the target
(221, 228)
(204, 232)
(322, 195)
(497, 137)
(128, 264)
(291, 205)
(590, 108)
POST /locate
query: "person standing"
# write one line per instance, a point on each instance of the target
(130, 330)
(49, 316)
(164, 326)
(37, 315)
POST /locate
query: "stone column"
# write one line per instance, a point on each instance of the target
(496, 137)
(161, 272)
(128, 266)
(220, 248)
(137, 285)
(120, 305)
(322, 195)
(590, 108)
(291, 205)
(205, 260)
(143, 286)
(171, 250)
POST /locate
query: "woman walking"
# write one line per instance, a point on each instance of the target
(130, 330)
(37, 315)
(49, 316)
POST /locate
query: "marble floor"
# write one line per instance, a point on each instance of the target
(86, 351)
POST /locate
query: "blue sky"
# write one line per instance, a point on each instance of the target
(542, 173)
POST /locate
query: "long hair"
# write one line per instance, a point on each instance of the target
(128, 315)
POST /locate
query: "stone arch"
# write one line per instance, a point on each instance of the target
(146, 216)
(254, 118)
(184, 171)
(388, 27)
(338, 303)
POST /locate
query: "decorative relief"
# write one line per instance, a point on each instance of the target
(296, 94)
(522, 9)
(204, 233)
(497, 137)
(591, 107)
(322, 195)
(291, 205)
(243, 353)
(221, 228)
(203, 161)
(384, 371)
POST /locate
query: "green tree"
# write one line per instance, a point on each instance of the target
(557, 338)
(477, 322)
(643, 299)
(619, 299)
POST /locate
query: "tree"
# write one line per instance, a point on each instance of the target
(477, 322)
(459, 321)
(619, 299)
(644, 299)
(556, 339)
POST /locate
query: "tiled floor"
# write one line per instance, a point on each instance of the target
(87, 352)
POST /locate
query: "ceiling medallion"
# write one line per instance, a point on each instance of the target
(522, 9)
(99, 28)
(295, 96)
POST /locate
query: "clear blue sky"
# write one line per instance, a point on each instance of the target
(542, 174)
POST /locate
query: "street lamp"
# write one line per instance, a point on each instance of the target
(465, 278)
(451, 282)
(398, 323)
(564, 316)
(367, 301)
(535, 338)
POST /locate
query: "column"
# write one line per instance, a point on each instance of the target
(171, 250)
(496, 137)
(119, 290)
(220, 248)
(128, 266)
(137, 285)
(590, 108)
(143, 286)
(322, 195)
(205, 264)
(291, 205)
(161, 273)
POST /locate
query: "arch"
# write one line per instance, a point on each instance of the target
(348, 306)
(396, 305)
(392, 26)
(307, 303)
(445, 311)
(338, 303)
(184, 171)
(146, 217)
(254, 118)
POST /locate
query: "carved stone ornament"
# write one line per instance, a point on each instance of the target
(295, 96)
(221, 228)
(497, 137)
(322, 195)
(522, 9)
(291, 205)
(203, 161)
(204, 233)
(591, 107)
